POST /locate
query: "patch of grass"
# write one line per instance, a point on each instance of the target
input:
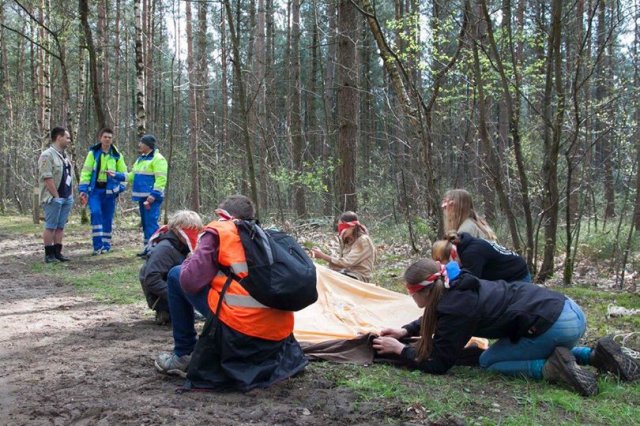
(595, 304)
(109, 278)
(480, 397)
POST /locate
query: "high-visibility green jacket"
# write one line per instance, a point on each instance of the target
(149, 176)
(110, 161)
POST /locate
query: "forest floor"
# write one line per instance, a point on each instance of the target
(77, 345)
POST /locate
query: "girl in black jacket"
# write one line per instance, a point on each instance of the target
(485, 259)
(536, 329)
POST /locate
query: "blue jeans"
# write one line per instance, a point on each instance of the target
(149, 218)
(56, 212)
(181, 307)
(102, 208)
(528, 355)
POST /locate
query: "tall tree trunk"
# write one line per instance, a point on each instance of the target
(102, 57)
(328, 103)
(116, 68)
(636, 105)
(224, 78)
(552, 135)
(6, 115)
(141, 124)
(603, 97)
(83, 8)
(237, 69)
(44, 92)
(193, 113)
(296, 119)
(348, 100)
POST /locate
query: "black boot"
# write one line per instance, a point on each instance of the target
(608, 356)
(561, 367)
(58, 253)
(50, 255)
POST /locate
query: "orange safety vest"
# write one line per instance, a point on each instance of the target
(239, 310)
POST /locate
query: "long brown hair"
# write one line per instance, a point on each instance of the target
(463, 210)
(416, 273)
(441, 249)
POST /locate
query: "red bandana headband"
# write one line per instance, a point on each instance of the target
(343, 226)
(414, 288)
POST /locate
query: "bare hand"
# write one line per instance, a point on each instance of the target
(150, 199)
(111, 173)
(83, 199)
(396, 333)
(316, 252)
(387, 345)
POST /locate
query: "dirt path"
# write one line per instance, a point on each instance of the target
(67, 359)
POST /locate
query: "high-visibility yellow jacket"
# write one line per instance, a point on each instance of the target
(110, 161)
(149, 176)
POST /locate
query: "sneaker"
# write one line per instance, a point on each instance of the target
(170, 363)
(561, 367)
(608, 356)
(163, 317)
(96, 252)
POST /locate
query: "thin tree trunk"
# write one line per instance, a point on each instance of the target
(237, 69)
(348, 100)
(141, 124)
(296, 119)
(83, 8)
(193, 113)
(552, 141)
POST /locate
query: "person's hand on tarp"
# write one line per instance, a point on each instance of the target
(385, 345)
(396, 333)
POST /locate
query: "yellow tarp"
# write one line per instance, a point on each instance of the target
(348, 307)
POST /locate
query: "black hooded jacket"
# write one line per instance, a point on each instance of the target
(490, 261)
(490, 309)
(167, 252)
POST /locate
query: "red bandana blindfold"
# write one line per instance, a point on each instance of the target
(414, 288)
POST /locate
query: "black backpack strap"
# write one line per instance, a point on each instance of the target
(225, 287)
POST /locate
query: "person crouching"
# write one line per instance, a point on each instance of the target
(169, 247)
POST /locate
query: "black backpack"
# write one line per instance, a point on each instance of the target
(281, 275)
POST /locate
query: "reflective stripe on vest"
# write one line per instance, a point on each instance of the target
(239, 310)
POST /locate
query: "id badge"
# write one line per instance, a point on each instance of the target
(68, 181)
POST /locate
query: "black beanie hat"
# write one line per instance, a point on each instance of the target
(149, 140)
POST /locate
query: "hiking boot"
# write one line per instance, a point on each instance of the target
(608, 356)
(50, 255)
(58, 253)
(170, 363)
(163, 317)
(561, 367)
